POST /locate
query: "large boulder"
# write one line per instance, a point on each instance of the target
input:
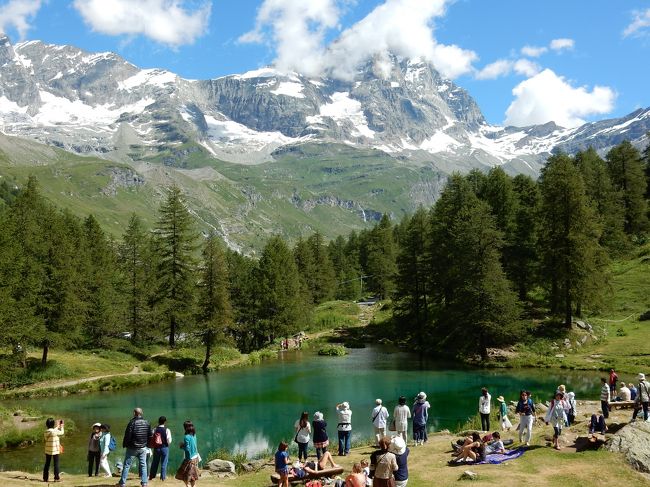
(633, 441)
(217, 465)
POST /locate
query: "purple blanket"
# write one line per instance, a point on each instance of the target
(496, 458)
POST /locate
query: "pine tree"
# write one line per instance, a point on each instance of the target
(570, 245)
(627, 175)
(134, 255)
(413, 276)
(381, 255)
(346, 270)
(524, 254)
(306, 267)
(323, 282)
(244, 293)
(100, 292)
(280, 307)
(607, 202)
(175, 239)
(646, 161)
(214, 310)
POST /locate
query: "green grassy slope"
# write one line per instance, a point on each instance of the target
(330, 188)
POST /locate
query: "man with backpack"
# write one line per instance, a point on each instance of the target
(136, 438)
(160, 441)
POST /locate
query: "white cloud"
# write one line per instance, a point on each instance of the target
(297, 29)
(561, 44)
(533, 51)
(548, 97)
(166, 21)
(639, 24)
(401, 27)
(18, 14)
(526, 67)
(504, 67)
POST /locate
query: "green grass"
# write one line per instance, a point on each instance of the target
(334, 314)
(333, 351)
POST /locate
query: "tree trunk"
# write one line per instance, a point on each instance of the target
(172, 331)
(567, 305)
(46, 349)
(208, 352)
(579, 308)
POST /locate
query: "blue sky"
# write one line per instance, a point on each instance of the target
(586, 59)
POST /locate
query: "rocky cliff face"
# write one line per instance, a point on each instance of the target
(99, 103)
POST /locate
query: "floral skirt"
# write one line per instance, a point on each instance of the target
(188, 471)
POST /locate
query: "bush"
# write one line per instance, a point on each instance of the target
(645, 316)
(333, 351)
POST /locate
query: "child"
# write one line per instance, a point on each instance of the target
(282, 464)
(93, 450)
(556, 415)
(365, 466)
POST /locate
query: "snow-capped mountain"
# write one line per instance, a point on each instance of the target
(98, 103)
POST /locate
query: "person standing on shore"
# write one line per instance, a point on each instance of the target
(484, 409)
(344, 427)
(105, 450)
(52, 448)
(401, 415)
(303, 435)
(420, 417)
(604, 397)
(136, 438)
(321, 441)
(94, 453)
(161, 452)
(503, 412)
(188, 472)
(282, 464)
(642, 398)
(379, 416)
(613, 378)
(526, 410)
(556, 416)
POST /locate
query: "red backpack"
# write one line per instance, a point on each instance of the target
(156, 440)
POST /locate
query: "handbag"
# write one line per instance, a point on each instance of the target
(391, 426)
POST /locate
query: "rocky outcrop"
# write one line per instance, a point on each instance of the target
(218, 465)
(633, 441)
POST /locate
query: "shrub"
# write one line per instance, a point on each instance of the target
(333, 350)
(645, 316)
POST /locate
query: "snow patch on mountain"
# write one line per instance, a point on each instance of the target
(155, 77)
(341, 109)
(290, 88)
(440, 142)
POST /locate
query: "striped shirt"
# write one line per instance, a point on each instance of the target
(52, 442)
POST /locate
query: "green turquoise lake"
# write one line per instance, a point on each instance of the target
(253, 408)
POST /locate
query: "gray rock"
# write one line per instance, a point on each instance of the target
(217, 465)
(559, 355)
(468, 475)
(633, 441)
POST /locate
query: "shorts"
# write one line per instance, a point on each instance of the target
(557, 430)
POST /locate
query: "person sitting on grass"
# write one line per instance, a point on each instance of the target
(597, 423)
(357, 478)
(472, 450)
(496, 446)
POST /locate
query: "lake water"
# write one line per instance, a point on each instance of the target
(253, 408)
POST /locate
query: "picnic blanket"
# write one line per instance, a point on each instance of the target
(328, 472)
(494, 458)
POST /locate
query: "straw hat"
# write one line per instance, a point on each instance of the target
(500, 399)
(422, 396)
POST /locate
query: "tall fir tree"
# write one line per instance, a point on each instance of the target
(381, 258)
(646, 163)
(244, 294)
(214, 309)
(103, 302)
(138, 281)
(413, 275)
(524, 253)
(176, 245)
(607, 202)
(626, 172)
(281, 308)
(306, 267)
(570, 245)
(346, 270)
(324, 280)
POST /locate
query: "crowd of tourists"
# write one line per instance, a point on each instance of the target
(388, 465)
(148, 446)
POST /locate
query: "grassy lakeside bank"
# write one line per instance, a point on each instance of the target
(540, 465)
(23, 427)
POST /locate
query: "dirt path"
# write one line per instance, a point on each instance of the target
(67, 383)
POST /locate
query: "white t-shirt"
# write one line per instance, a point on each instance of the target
(484, 404)
(401, 414)
(495, 447)
(304, 434)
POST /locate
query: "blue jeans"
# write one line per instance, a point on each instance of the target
(141, 453)
(159, 455)
(344, 442)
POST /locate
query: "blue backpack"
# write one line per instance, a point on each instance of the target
(111, 444)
